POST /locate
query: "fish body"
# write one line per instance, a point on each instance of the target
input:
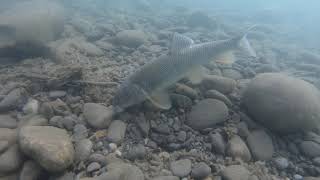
(185, 60)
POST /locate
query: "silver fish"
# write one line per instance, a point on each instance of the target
(184, 60)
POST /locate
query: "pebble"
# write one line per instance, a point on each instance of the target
(222, 84)
(200, 170)
(182, 136)
(30, 171)
(116, 131)
(13, 100)
(297, 177)
(99, 158)
(281, 163)
(310, 148)
(10, 160)
(51, 147)
(207, 113)
(186, 91)
(6, 121)
(80, 132)
(136, 152)
(31, 107)
(181, 167)
(98, 116)
(218, 143)
(94, 166)
(232, 73)
(260, 144)
(237, 148)
(214, 94)
(235, 172)
(57, 94)
(165, 178)
(122, 171)
(243, 129)
(83, 150)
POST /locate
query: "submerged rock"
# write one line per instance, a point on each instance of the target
(207, 113)
(98, 116)
(237, 148)
(235, 172)
(261, 145)
(282, 103)
(51, 147)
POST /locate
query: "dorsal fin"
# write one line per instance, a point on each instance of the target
(180, 42)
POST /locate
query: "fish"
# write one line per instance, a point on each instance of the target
(185, 59)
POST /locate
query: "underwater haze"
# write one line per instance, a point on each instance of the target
(159, 90)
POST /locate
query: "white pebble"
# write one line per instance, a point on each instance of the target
(113, 147)
(118, 153)
(31, 107)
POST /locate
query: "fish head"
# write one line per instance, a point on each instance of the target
(128, 95)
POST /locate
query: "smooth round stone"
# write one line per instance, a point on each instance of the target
(98, 116)
(57, 94)
(83, 149)
(283, 104)
(51, 147)
(93, 167)
(214, 94)
(207, 113)
(235, 172)
(237, 148)
(136, 152)
(122, 171)
(200, 171)
(218, 143)
(219, 83)
(181, 167)
(261, 145)
(12, 100)
(116, 131)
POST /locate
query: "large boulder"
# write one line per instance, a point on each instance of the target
(282, 103)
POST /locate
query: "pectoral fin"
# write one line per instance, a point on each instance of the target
(225, 58)
(160, 99)
(196, 75)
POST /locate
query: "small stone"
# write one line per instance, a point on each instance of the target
(221, 84)
(232, 73)
(83, 149)
(80, 132)
(30, 171)
(181, 168)
(214, 94)
(32, 107)
(243, 129)
(116, 131)
(10, 160)
(56, 121)
(6, 121)
(261, 145)
(182, 136)
(165, 178)
(235, 172)
(113, 147)
(97, 116)
(99, 158)
(200, 171)
(122, 171)
(51, 147)
(57, 94)
(94, 166)
(218, 143)
(281, 163)
(310, 148)
(237, 148)
(33, 120)
(186, 91)
(297, 177)
(136, 152)
(207, 113)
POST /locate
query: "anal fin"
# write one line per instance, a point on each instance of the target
(160, 99)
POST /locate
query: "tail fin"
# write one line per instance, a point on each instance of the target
(245, 45)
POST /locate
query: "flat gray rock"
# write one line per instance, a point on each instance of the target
(261, 145)
(51, 147)
(207, 113)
